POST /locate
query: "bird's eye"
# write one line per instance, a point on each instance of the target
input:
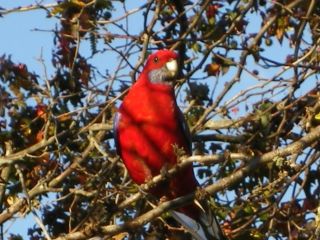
(156, 59)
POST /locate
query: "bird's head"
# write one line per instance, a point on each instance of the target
(162, 67)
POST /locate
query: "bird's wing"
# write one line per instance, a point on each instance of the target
(185, 130)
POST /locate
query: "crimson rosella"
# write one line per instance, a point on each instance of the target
(149, 128)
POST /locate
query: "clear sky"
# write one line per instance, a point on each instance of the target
(19, 37)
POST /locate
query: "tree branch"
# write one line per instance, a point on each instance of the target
(222, 184)
(18, 156)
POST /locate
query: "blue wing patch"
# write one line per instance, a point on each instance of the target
(185, 130)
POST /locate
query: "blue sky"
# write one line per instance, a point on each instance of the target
(19, 39)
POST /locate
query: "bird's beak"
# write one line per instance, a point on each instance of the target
(172, 67)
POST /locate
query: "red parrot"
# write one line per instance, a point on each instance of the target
(149, 128)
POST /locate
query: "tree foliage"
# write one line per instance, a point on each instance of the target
(249, 88)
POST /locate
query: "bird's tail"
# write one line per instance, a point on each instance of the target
(206, 228)
(209, 222)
